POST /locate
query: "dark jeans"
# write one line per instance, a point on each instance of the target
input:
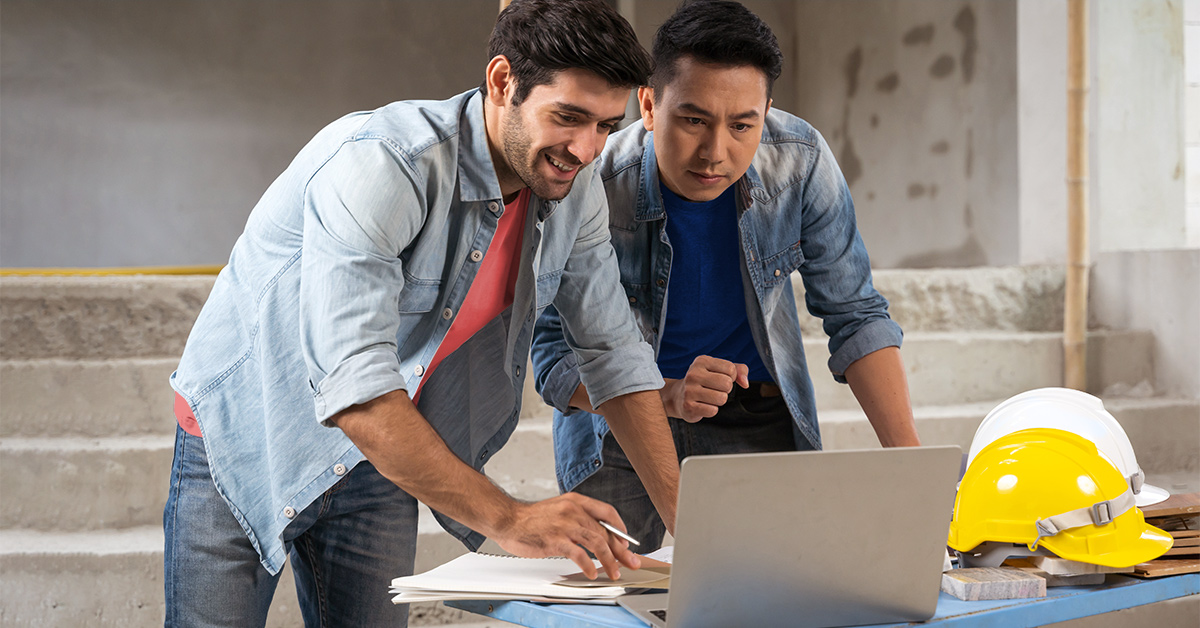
(345, 548)
(748, 422)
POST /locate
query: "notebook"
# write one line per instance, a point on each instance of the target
(826, 538)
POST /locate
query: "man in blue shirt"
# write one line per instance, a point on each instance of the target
(356, 266)
(714, 200)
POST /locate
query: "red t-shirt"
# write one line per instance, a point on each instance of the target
(490, 294)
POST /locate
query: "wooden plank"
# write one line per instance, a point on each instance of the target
(1187, 542)
(1185, 534)
(1182, 551)
(1167, 567)
(1064, 567)
(1183, 504)
(992, 583)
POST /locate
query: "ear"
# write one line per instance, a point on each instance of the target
(500, 81)
(646, 105)
(768, 109)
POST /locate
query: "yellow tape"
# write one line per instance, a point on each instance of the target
(97, 272)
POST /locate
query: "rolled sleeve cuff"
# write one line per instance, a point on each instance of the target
(357, 379)
(561, 384)
(873, 336)
(624, 370)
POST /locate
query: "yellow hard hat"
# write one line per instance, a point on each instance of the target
(1053, 488)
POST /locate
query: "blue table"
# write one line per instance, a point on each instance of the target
(1060, 604)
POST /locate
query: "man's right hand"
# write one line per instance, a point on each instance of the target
(565, 526)
(704, 388)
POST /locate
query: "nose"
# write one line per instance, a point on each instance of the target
(712, 149)
(586, 144)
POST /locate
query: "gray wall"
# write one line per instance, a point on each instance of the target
(918, 100)
(143, 132)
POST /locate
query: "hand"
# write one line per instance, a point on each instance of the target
(704, 389)
(565, 526)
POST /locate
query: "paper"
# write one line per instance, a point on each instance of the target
(486, 577)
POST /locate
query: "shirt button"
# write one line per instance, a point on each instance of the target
(776, 272)
(447, 313)
(289, 512)
(633, 299)
(339, 469)
(517, 371)
(493, 206)
(476, 255)
(596, 463)
(418, 370)
(661, 282)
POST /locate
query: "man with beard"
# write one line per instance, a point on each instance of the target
(713, 201)
(364, 347)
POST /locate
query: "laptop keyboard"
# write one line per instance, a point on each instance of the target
(660, 614)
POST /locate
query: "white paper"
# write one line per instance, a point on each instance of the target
(664, 554)
(484, 576)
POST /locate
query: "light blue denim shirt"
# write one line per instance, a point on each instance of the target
(794, 213)
(348, 275)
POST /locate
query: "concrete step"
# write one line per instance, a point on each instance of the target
(99, 483)
(131, 396)
(1015, 298)
(115, 578)
(150, 316)
(98, 317)
(77, 483)
(1164, 432)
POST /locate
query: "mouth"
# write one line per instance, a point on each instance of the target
(706, 178)
(566, 170)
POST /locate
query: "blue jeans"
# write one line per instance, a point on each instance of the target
(748, 422)
(345, 548)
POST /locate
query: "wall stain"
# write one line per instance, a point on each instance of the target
(870, 196)
(969, 253)
(942, 67)
(889, 83)
(849, 161)
(933, 190)
(922, 34)
(964, 23)
(970, 159)
(940, 148)
(916, 190)
(853, 65)
(874, 121)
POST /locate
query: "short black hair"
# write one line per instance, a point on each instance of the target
(543, 37)
(718, 32)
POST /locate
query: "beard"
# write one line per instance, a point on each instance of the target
(523, 160)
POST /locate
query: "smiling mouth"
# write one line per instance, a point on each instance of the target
(706, 176)
(560, 166)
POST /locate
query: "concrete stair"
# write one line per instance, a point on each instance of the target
(86, 432)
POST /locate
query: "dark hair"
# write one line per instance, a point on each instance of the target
(542, 37)
(718, 32)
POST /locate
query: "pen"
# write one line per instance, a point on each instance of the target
(611, 528)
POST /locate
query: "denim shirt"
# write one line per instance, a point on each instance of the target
(794, 213)
(348, 275)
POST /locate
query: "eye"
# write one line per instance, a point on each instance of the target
(694, 121)
(608, 127)
(741, 128)
(567, 119)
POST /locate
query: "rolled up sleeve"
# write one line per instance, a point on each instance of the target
(556, 371)
(837, 270)
(361, 210)
(610, 355)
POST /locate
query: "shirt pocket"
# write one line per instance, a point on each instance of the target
(418, 296)
(547, 288)
(778, 268)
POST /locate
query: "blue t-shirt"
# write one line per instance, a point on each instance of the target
(706, 305)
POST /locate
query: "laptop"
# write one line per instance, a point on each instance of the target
(815, 538)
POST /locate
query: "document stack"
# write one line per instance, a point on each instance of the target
(490, 577)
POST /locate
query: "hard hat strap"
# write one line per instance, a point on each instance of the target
(1100, 513)
(1136, 481)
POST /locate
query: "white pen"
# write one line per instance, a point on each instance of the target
(611, 528)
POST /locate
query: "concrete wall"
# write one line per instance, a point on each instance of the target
(1191, 40)
(143, 132)
(1156, 291)
(918, 100)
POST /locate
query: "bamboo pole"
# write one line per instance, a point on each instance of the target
(1075, 308)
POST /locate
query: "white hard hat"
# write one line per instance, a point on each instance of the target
(1072, 411)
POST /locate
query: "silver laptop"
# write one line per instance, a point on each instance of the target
(822, 538)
